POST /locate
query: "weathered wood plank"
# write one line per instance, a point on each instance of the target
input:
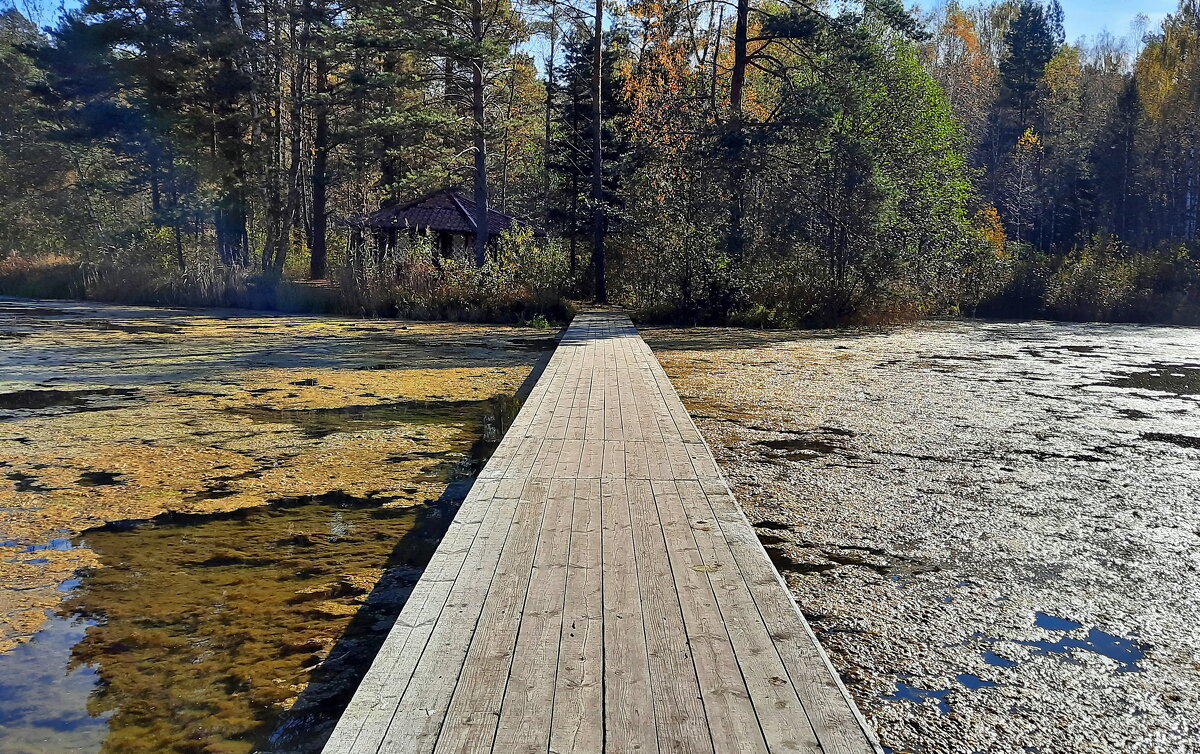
(727, 707)
(629, 716)
(681, 723)
(474, 710)
(525, 715)
(578, 715)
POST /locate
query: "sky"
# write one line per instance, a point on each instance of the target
(1084, 18)
(1090, 17)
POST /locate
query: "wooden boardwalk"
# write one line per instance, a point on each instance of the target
(601, 591)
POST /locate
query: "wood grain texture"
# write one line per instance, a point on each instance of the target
(600, 590)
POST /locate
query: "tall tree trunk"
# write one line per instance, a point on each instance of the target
(737, 81)
(272, 189)
(550, 91)
(599, 218)
(390, 169)
(320, 175)
(716, 61)
(735, 242)
(234, 211)
(504, 160)
(173, 183)
(291, 210)
(477, 113)
(576, 177)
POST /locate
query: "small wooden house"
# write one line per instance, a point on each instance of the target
(446, 215)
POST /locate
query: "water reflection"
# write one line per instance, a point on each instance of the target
(44, 701)
(199, 630)
(232, 632)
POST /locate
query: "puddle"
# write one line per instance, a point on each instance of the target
(44, 701)
(974, 682)
(37, 400)
(200, 631)
(321, 422)
(1127, 653)
(61, 545)
(991, 658)
(1183, 441)
(907, 693)
(1180, 379)
(1054, 623)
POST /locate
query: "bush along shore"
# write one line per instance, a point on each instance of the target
(524, 282)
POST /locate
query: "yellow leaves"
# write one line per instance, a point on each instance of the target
(961, 28)
(657, 85)
(1166, 70)
(1030, 143)
(991, 228)
(1064, 72)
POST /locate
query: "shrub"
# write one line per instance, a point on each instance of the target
(523, 279)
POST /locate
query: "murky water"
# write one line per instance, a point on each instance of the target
(210, 519)
(994, 528)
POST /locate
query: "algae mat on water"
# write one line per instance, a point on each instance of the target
(201, 513)
(991, 526)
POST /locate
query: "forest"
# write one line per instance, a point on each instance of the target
(757, 162)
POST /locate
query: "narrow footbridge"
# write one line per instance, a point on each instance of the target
(601, 591)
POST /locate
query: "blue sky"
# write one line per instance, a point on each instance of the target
(1084, 17)
(1090, 17)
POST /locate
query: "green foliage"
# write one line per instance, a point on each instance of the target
(856, 194)
(1104, 280)
(1030, 44)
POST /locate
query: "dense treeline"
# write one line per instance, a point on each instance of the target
(758, 161)
(1088, 150)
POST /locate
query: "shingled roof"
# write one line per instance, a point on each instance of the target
(444, 210)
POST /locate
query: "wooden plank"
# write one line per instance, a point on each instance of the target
(578, 719)
(613, 460)
(731, 716)
(525, 714)
(474, 710)
(629, 718)
(637, 460)
(680, 720)
(776, 704)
